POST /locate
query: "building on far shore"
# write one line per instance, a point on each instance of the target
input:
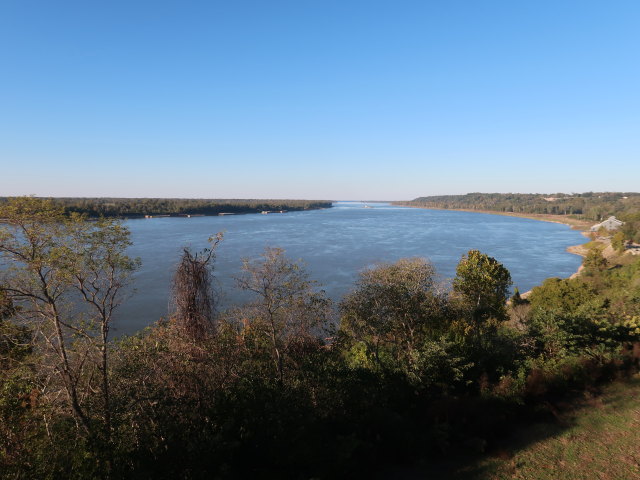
(611, 223)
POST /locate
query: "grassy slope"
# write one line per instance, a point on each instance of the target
(596, 437)
(599, 438)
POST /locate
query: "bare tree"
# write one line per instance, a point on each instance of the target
(286, 310)
(193, 300)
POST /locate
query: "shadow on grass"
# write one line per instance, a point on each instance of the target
(548, 421)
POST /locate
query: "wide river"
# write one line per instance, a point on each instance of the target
(336, 243)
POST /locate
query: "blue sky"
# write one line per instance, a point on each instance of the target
(318, 99)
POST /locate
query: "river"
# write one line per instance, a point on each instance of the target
(336, 243)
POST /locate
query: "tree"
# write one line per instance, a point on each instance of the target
(16, 390)
(516, 298)
(6, 305)
(286, 311)
(99, 272)
(14, 339)
(192, 291)
(595, 262)
(66, 276)
(618, 242)
(564, 297)
(393, 310)
(482, 285)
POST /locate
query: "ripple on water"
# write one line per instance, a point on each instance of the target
(336, 243)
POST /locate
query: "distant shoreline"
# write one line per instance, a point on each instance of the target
(135, 208)
(574, 223)
(221, 214)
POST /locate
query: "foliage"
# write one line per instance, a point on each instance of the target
(590, 205)
(594, 262)
(564, 296)
(577, 315)
(618, 242)
(482, 286)
(631, 227)
(393, 311)
(137, 207)
(516, 299)
(6, 305)
(66, 277)
(414, 370)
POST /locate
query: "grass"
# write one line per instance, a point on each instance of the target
(594, 244)
(597, 439)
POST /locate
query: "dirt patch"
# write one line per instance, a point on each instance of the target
(578, 250)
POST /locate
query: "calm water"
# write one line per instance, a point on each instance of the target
(336, 243)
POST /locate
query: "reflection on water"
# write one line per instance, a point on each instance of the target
(336, 243)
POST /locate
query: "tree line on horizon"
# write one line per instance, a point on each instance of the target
(139, 207)
(591, 206)
(404, 368)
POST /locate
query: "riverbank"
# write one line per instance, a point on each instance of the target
(209, 212)
(574, 223)
(221, 214)
(130, 208)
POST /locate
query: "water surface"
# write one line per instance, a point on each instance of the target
(338, 242)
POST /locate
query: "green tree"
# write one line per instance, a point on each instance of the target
(17, 397)
(516, 298)
(66, 276)
(594, 262)
(482, 286)
(563, 297)
(14, 339)
(618, 242)
(394, 309)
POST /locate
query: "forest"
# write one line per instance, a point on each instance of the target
(139, 207)
(591, 206)
(406, 369)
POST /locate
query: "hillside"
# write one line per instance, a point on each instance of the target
(596, 437)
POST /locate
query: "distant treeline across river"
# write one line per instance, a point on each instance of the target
(593, 206)
(589, 206)
(140, 207)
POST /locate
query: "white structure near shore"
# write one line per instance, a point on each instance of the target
(611, 223)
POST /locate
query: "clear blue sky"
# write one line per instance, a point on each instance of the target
(318, 99)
